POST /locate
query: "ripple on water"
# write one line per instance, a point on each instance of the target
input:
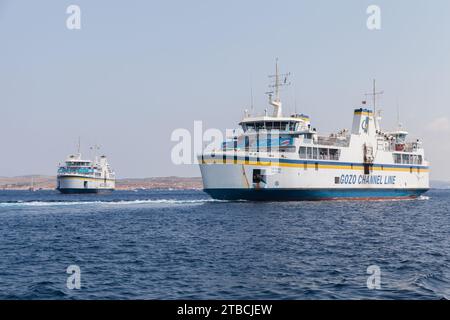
(182, 244)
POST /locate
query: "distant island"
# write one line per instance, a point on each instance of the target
(41, 182)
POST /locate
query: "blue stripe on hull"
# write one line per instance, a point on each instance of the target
(312, 194)
(76, 191)
(320, 162)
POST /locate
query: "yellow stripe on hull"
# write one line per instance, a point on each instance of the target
(86, 179)
(311, 166)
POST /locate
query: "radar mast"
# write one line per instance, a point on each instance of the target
(276, 102)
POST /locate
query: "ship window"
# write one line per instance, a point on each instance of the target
(315, 153)
(401, 138)
(334, 154)
(310, 153)
(302, 152)
(408, 158)
(259, 125)
(276, 125)
(323, 153)
(405, 158)
(248, 126)
(417, 159)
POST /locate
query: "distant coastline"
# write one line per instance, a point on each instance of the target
(42, 182)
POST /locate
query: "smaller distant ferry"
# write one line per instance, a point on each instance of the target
(77, 175)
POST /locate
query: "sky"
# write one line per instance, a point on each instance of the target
(138, 70)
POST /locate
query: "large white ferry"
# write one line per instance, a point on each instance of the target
(77, 175)
(286, 159)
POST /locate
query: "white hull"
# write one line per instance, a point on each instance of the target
(279, 176)
(75, 184)
(233, 179)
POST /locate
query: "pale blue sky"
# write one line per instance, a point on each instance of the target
(137, 70)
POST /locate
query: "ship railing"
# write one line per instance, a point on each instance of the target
(68, 173)
(333, 141)
(281, 149)
(408, 147)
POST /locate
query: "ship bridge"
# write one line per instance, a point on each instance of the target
(74, 164)
(297, 122)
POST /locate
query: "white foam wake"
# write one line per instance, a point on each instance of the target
(107, 203)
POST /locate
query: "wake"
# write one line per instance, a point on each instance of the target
(34, 203)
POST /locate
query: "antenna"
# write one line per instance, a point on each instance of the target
(276, 103)
(79, 145)
(277, 83)
(95, 148)
(251, 93)
(374, 95)
(398, 116)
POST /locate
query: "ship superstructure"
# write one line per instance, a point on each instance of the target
(278, 157)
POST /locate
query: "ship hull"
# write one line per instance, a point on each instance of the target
(83, 191)
(236, 181)
(79, 184)
(313, 194)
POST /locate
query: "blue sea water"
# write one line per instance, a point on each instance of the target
(152, 244)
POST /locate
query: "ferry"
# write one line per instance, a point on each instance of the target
(284, 158)
(77, 175)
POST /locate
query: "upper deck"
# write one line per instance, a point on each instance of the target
(75, 165)
(294, 123)
(293, 137)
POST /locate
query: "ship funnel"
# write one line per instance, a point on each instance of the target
(363, 121)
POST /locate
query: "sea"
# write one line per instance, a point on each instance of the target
(172, 244)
